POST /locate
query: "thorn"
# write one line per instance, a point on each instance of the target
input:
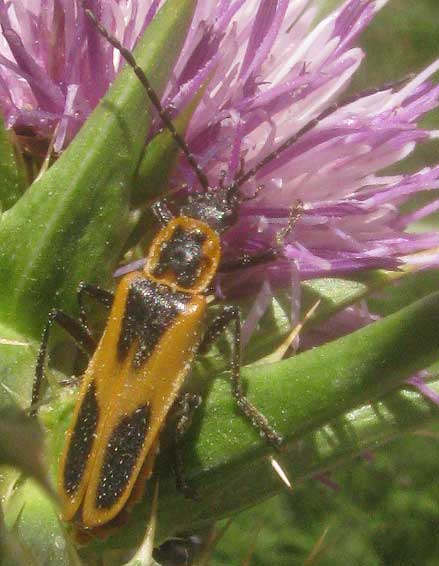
(6, 342)
(46, 162)
(144, 554)
(281, 350)
(280, 472)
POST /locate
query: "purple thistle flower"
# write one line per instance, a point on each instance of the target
(274, 76)
(269, 72)
(54, 69)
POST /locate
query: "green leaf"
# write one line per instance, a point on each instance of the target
(22, 445)
(11, 549)
(72, 223)
(408, 290)
(335, 293)
(17, 366)
(12, 178)
(33, 521)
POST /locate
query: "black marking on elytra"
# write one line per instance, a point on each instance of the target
(182, 255)
(150, 310)
(122, 452)
(81, 441)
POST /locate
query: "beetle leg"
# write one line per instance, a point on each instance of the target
(101, 295)
(185, 407)
(266, 256)
(76, 329)
(258, 420)
(249, 260)
(162, 212)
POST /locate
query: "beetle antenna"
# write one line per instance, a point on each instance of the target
(164, 116)
(312, 124)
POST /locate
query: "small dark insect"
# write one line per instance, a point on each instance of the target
(177, 551)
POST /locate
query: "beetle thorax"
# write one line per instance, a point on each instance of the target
(185, 255)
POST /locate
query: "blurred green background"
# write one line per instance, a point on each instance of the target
(385, 509)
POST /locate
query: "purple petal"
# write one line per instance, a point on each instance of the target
(423, 388)
(46, 92)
